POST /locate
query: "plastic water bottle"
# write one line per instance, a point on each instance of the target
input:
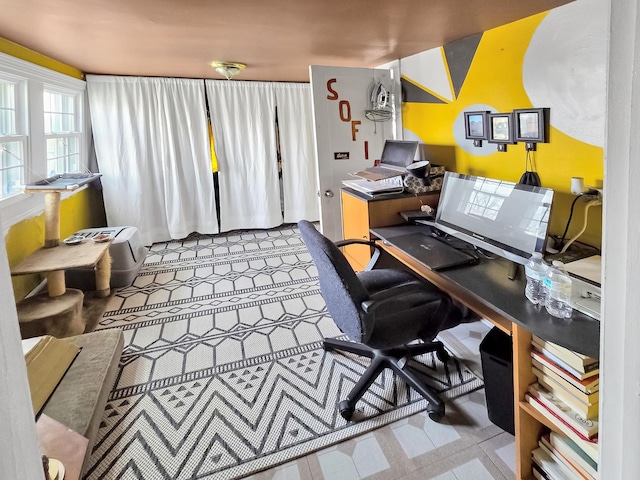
(558, 285)
(536, 269)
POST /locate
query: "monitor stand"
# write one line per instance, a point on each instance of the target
(512, 271)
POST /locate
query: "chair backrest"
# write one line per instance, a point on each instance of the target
(341, 289)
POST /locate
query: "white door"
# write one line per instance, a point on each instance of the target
(346, 140)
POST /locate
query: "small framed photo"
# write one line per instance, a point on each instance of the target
(530, 125)
(475, 125)
(500, 128)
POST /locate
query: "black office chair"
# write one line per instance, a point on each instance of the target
(381, 311)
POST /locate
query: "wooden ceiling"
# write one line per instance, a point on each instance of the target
(277, 39)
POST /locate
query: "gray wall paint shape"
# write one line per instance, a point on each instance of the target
(459, 55)
(411, 93)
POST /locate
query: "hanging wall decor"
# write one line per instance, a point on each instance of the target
(500, 130)
(475, 127)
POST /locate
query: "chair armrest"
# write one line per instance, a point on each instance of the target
(349, 241)
(372, 244)
(391, 294)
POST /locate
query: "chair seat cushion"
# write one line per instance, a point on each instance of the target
(419, 315)
(381, 279)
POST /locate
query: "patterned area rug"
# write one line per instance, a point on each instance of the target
(223, 372)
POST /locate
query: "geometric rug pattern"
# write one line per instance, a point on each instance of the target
(223, 372)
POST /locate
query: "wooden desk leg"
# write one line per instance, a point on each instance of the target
(55, 283)
(103, 276)
(528, 429)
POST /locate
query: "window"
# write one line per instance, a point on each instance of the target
(43, 129)
(12, 139)
(63, 132)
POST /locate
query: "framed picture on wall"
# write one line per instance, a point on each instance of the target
(475, 127)
(500, 129)
(530, 125)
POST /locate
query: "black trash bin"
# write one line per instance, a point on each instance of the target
(496, 355)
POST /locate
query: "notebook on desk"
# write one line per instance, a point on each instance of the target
(431, 252)
(396, 156)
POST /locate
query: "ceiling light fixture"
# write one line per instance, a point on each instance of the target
(228, 69)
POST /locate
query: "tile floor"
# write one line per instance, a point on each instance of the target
(465, 446)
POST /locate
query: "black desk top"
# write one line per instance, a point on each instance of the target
(488, 283)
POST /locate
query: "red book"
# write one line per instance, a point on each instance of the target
(587, 385)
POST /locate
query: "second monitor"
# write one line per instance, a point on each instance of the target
(504, 218)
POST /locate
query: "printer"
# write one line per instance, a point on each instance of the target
(586, 275)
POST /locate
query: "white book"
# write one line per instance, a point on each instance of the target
(589, 428)
(574, 453)
(580, 362)
(562, 364)
(568, 471)
(549, 465)
(587, 410)
(576, 469)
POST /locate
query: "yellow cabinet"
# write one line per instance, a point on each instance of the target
(361, 212)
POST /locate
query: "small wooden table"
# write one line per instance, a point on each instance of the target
(62, 257)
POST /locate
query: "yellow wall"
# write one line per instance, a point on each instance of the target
(85, 209)
(23, 53)
(495, 78)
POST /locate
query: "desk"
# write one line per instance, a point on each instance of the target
(485, 289)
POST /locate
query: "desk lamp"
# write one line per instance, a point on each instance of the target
(422, 171)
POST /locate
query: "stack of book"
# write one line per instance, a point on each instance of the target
(566, 394)
(558, 457)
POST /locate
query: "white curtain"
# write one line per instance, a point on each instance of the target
(151, 141)
(243, 121)
(298, 153)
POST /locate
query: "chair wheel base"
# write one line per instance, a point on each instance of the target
(345, 409)
(435, 413)
(443, 355)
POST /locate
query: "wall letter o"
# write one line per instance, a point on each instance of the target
(343, 117)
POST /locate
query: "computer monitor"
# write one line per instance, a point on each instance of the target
(398, 153)
(502, 217)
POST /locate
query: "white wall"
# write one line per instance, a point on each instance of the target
(620, 369)
(19, 455)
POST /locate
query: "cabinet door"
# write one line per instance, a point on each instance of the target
(355, 224)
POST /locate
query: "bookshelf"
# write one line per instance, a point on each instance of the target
(568, 408)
